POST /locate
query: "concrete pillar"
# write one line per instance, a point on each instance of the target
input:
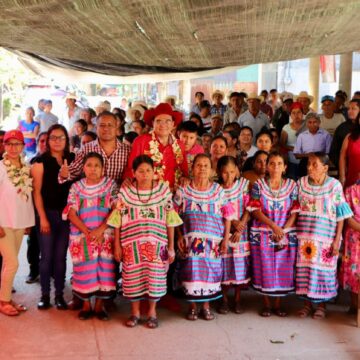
(345, 73)
(314, 74)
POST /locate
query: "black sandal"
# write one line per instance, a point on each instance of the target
(152, 322)
(192, 315)
(85, 314)
(279, 312)
(224, 308)
(265, 312)
(132, 321)
(102, 315)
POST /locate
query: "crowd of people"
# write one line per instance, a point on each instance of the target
(237, 195)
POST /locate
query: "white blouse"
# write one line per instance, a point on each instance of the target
(15, 212)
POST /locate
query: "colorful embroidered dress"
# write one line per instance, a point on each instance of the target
(145, 215)
(203, 212)
(350, 269)
(273, 266)
(93, 263)
(236, 262)
(321, 207)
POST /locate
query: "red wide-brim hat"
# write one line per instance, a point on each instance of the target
(162, 108)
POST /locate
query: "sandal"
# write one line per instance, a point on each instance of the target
(132, 321)
(238, 308)
(279, 312)
(192, 315)
(102, 315)
(85, 314)
(305, 311)
(152, 322)
(224, 308)
(207, 314)
(319, 313)
(8, 309)
(18, 307)
(265, 312)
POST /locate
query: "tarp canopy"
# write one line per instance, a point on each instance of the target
(134, 37)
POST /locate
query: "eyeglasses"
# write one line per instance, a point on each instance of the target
(55, 138)
(18, 144)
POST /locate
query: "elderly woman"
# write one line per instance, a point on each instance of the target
(204, 236)
(274, 206)
(288, 138)
(319, 227)
(15, 217)
(314, 139)
(167, 152)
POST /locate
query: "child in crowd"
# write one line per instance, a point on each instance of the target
(206, 140)
(88, 136)
(91, 239)
(80, 127)
(203, 237)
(129, 138)
(235, 262)
(188, 132)
(144, 238)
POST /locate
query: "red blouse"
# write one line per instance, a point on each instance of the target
(141, 146)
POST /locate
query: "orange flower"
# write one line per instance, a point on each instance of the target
(308, 250)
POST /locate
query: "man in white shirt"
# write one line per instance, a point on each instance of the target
(233, 113)
(71, 114)
(329, 119)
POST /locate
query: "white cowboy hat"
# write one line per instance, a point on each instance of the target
(255, 96)
(284, 96)
(71, 96)
(131, 111)
(139, 102)
(218, 92)
(304, 94)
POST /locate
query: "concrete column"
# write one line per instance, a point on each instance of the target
(345, 73)
(314, 74)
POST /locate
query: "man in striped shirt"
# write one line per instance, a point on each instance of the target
(114, 153)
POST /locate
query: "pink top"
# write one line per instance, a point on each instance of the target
(353, 161)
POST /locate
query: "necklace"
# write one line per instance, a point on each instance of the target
(138, 195)
(275, 193)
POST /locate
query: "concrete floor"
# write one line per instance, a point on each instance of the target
(57, 334)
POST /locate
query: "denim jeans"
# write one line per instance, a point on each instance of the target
(53, 249)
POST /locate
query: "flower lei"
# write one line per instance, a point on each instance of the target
(157, 157)
(20, 177)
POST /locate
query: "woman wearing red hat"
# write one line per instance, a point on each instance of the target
(289, 135)
(15, 217)
(167, 152)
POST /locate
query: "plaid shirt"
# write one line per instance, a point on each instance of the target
(114, 165)
(215, 110)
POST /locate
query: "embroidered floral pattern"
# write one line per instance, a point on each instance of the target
(308, 250)
(148, 251)
(197, 246)
(128, 254)
(20, 177)
(147, 213)
(326, 256)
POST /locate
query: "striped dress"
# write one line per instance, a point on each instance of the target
(145, 215)
(236, 262)
(93, 264)
(321, 207)
(273, 266)
(203, 213)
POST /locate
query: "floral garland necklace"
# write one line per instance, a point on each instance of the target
(19, 177)
(157, 156)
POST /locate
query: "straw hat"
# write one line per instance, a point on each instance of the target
(131, 111)
(304, 94)
(218, 92)
(71, 96)
(255, 96)
(285, 96)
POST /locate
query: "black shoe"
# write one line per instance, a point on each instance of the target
(85, 314)
(32, 278)
(44, 302)
(75, 304)
(60, 303)
(102, 315)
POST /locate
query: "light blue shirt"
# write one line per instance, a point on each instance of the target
(309, 143)
(255, 123)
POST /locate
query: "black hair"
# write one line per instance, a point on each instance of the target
(221, 138)
(2, 132)
(83, 123)
(233, 134)
(39, 135)
(63, 129)
(234, 94)
(355, 129)
(232, 126)
(141, 159)
(93, 155)
(247, 128)
(264, 91)
(277, 154)
(130, 136)
(199, 92)
(324, 158)
(201, 129)
(120, 117)
(30, 108)
(188, 126)
(224, 161)
(141, 122)
(256, 155)
(201, 156)
(106, 113)
(265, 132)
(91, 134)
(273, 90)
(204, 104)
